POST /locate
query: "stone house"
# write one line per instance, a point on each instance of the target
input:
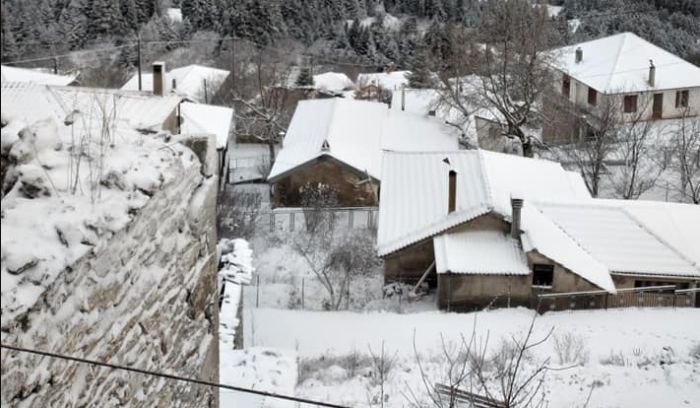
(637, 79)
(339, 142)
(485, 228)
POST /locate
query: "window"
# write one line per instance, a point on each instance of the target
(682, 99)
(592, 96)
(630, 103)
(566, 86)
(542, 275)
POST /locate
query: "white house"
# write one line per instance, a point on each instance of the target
(645, 81)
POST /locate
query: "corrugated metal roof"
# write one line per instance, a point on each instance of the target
(544, 236)
(620, 241)
(207, 119)
(479, 252)
(133, 109)
(356, 132)
(413, 198)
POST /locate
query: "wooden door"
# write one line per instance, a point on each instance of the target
(658, 108)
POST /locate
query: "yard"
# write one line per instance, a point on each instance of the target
(613, 358)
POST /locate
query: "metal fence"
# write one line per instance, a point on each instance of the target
(651, 296)
(295, 219)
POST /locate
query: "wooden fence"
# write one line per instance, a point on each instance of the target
(651, 296)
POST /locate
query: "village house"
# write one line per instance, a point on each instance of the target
(639, 80)
(486, 228)
(381, 86)
(338, 143)
(196, 83)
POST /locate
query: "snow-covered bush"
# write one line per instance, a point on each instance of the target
(570, 348)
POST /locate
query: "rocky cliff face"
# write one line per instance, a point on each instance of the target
(145, 298)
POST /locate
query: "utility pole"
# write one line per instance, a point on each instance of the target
(138, 56)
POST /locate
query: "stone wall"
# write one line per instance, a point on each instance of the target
(146, 298)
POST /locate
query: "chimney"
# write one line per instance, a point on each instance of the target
(452, 193)
(652, 73)
(159, 78)
(517, 205)
(579, 55)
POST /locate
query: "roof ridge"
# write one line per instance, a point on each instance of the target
(618, 57)
(486, 179)
(658, 238)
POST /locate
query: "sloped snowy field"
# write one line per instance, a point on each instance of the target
(632, 358)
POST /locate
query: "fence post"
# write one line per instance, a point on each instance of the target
(351, 218)
(272, 221)
(606, 300)
(257, 291)
(674, 299)
(291, 221)
(302, 293)
(369, 219)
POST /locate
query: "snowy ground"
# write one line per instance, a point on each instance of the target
(628, 358)
(631, 358)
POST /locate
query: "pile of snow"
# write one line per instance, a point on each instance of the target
(236, 269)
(67, 190)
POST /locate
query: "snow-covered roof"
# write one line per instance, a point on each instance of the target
(207, 119)
(189, 81)
(387, 80)
(174, 14)
(625, 243)
(413, 198)
(414, 201)
(333, 82)
(14, 74)
(479, 252)
(620, 63)
(356, 132)
(135, 110)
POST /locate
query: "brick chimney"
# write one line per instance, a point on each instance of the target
(452, 192)
(159, 78)
(652, 73)
(517, 206)
(579, 55)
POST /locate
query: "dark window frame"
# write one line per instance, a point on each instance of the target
(592, 96)
(682, 98)
(630, 103)
(542, 275)
(566, 86)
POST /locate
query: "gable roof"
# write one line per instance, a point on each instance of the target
(413, 197)
(15, 74)
(136, 110)
(199, 118)
(620, 63)
(334, 82)
(610, 232)
(189, 81)
(355, 133)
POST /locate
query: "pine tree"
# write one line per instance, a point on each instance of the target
(305, 78)
(421, 75)
(73, 23)
(9, 47)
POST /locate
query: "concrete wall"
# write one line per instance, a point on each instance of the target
(466, 292)
(146, 298)
(349, 185)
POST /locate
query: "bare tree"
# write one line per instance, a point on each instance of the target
(382, 364)
(512, 68)
(686, 161)
(635, 152)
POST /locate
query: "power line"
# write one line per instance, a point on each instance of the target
(171, 376)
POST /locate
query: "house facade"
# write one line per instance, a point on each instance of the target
(626, 74)
(488, 229)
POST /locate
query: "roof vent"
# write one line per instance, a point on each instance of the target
(452, 192)
(579, 55)
(652, 73)
(517, 205)
(325, 146)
